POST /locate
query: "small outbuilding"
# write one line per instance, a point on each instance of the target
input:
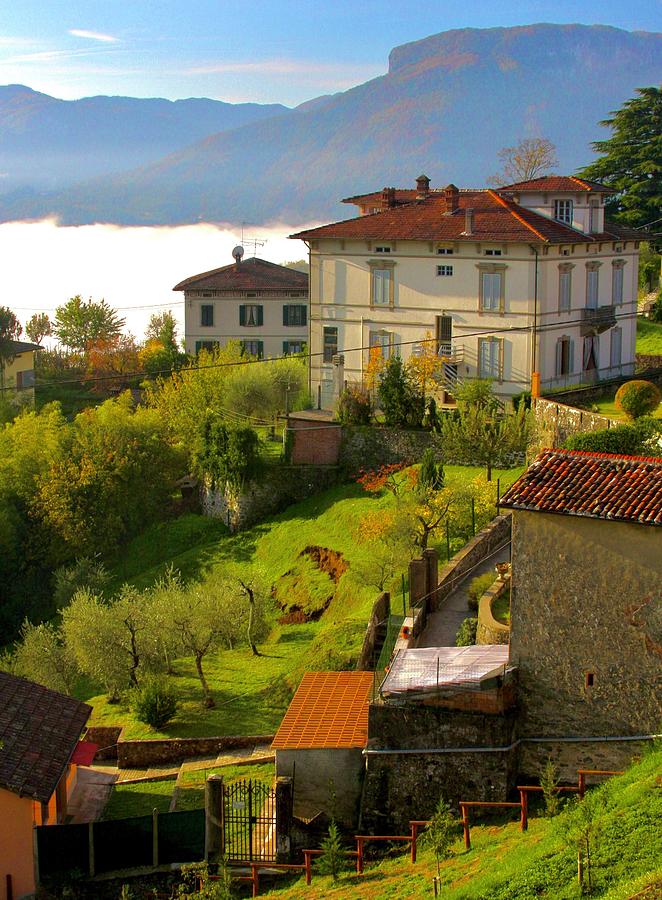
(320, 744)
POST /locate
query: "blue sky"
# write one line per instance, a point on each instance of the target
(264, 51)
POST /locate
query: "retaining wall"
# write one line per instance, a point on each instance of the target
(491, 631)
(143, 754)
(556, 422)
(380, 612)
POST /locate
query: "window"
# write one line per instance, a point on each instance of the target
(593, 216)
(294, 314)
(564, 356)
(253, 348)
(293, 347)
(592, 284)
(565, 287)
(444, 251)
(207, 315)
(493, 253)
(444, 335)
(251, 315)
(382, 287)
(382, 249)
(383, 340)
(591, 354)
(205, 345)
(617, 281)
(563, 211)
(589, 679)
(490, 358)
(330, 344)
(615, 347)
(444, 270)
(491, 290)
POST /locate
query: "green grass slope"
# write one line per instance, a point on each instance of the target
(252, 693)
(506, 864)
(649, 337)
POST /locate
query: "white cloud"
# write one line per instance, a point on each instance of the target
(93, 35)
(286, 66)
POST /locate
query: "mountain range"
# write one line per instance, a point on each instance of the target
(445, 107)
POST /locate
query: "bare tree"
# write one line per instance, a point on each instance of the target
(529, 158)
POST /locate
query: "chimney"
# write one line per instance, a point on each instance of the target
(388, 198)
(469, 221)
(422, 187)
(452, 196)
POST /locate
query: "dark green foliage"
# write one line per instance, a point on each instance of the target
(656, 310)
(401, 400)
(549, 781)
(639, 439)
(631, 161)
(649, 266)
(86, 572)
(431, 475)
(478, 586)
(637, 398)
(226, 454)
(10, 330)
(466, 633)
(354, 406)
(480, 434)
(155, 702)
(334, 856)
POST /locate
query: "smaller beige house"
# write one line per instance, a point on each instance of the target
(261, 304)
(320, 744)
(17, 372)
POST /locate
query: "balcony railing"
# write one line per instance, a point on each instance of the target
(595, 321)
(450, 352)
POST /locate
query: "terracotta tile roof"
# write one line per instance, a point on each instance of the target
(553, 183)
(39, 731)
(329, 709)
(592, 485)
(250, 275)
(495, 218)
(402, 195)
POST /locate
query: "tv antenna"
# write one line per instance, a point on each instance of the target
(253, 243)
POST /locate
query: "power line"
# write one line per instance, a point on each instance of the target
(506, 329)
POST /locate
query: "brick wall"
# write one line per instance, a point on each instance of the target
(314, 442)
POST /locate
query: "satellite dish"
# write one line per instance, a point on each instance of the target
(238, 252)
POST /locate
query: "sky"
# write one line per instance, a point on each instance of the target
(265, 51)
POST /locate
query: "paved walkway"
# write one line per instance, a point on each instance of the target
(442, 625)
(89, 797)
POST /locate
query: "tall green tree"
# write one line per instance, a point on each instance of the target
(631, 160)
(483, 435)
(80, 323)
(162, 327)
(38, 327)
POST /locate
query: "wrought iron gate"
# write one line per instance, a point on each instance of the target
(249, 821)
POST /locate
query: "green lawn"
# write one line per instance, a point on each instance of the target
(139, 799)
(501, 608)
(191, 787)
(252, 693)
(607, 407)
(506, 864)
(649, 337)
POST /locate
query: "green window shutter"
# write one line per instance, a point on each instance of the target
(260, 315)
(198, 347)
(286, 348)
(243, 346)
(286, 314)
(242, 315)
(304, 315)
(260, 348)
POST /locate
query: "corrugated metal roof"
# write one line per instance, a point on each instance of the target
(329, 709)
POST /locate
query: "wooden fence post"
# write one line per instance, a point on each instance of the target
(155, 837)
(90, 849)
(414, 835)
(524, 812)
(359, 856)
(465, 826)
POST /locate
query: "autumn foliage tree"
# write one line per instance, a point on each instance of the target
(529, 158)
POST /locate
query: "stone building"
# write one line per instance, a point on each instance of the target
(259, 303)
(526, 279)
(586, 608)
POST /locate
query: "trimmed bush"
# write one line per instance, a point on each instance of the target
(642, 438)
(466, 634)
(155, 702)
(477, 587)
(637, 398)
(354, 406)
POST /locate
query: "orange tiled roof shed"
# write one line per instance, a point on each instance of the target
(329, 709)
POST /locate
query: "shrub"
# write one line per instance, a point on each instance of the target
(354, 406)
(155, 702)
(334, 856)
(431, 475)
(477, 587)
(642, 438)
(637, 398)
(401, 399)
(466, 635)
(549, 782)
(86, 572)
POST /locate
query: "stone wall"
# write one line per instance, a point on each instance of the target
(327, 780)
(381, 610)
(489, 630)
(645, 361)
(143, 754)
(106, 736)
(494, 535)
(586, 633)
(403, 786)
(556, 422)
(279, 487)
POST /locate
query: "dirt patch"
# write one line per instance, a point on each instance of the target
(306, 590)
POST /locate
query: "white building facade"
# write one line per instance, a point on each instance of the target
(259, 303)
(527, 279)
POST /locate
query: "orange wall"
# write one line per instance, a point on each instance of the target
(16, 847)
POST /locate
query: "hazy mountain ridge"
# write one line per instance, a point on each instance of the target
(50, 143)
(448, 103)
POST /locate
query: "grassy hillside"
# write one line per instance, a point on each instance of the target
(252, 693)
(506, 864)
(649, 337)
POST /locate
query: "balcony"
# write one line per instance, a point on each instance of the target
(450, 353)
(595, 321)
